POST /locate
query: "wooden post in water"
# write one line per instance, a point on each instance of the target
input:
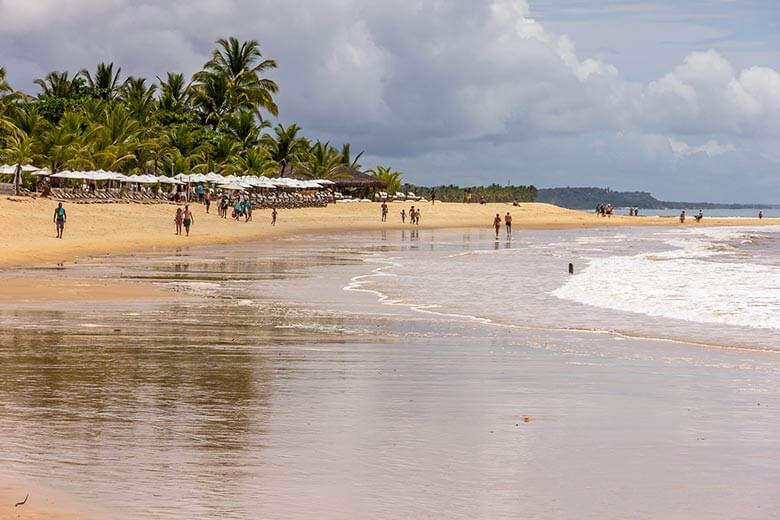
(571, 268)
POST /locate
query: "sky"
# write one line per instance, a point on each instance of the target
(678, 98)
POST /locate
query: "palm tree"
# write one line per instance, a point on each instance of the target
(105, 82)
(19, 149)
(138, 97)
(286, 147)
(174, 93)
(394, 179)
(241, 64)
(254, 161)
(243, 128)
(59, 85)
(324, 162)
(347, 160)
(211, 98)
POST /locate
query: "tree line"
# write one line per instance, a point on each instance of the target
(220, 119)
(491, 193)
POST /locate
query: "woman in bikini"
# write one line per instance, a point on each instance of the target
(178, 220)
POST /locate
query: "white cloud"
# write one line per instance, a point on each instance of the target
(432, 85)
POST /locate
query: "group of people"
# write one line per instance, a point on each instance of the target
(507, 223)
(414, 215)
(698, 217)
(183, 218)
(633, 212)
(605, 210)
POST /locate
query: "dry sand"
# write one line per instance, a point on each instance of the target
(27, 234)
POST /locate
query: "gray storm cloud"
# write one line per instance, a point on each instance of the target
(449, 91)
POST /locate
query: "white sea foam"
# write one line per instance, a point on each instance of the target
(684, 283)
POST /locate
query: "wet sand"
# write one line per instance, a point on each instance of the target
(252, 396)
(28, 236)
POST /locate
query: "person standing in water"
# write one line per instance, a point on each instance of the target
(682, 217)
(497, 224)
(273, 216)
(188, 219)
(403, 216)
(508, 223)
(59, 219)
(384, 211)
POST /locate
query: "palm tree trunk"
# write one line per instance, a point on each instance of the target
(17, 178)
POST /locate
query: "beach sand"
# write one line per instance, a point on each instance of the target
(28, 236)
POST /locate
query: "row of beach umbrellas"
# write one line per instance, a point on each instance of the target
(236, 182)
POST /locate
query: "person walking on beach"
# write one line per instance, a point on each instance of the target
(403, 216)
(59, 219)
(497, 224)
(247, 210)
(178, 219)
(207, 201)
(273, 216)
(682, 217)
(384, 211)
(433, 196)
(411, 215)
(508, 223)
(760, 215)
(188, 219)
(417, 216)
(700, 216)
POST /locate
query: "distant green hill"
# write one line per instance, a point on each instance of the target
(587, 198)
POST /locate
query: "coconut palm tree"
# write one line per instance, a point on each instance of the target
(348, 160)
(60, 85)
(394, 179)
(211, 98)
(253, 161)
(244, 129)
(19, 150)
(242, 66)
(286, 146)
(323, 162)
(105, 82)
(138, 98)
(174, 93)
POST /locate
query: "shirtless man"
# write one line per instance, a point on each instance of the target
(497, 224)
(188, 219)
(508, 222)
(59, 219)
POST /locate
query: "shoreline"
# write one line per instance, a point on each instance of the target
(95, 230)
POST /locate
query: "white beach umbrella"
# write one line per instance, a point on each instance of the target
(232, 186)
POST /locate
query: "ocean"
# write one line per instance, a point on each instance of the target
(409, 374)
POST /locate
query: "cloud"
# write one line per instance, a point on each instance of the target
(450, 90)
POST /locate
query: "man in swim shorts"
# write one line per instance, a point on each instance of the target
(59, 219)
(508, 222)
(188, 219)
(497, 224)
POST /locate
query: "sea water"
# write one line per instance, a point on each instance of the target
(409, 374)
(718, 286)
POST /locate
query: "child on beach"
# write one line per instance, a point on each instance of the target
(497, 224)
(403, 216)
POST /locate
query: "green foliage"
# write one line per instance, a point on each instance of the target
(491, 193)
(391, 177)
(214, 122)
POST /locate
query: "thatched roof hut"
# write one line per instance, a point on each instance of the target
(346, 177)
